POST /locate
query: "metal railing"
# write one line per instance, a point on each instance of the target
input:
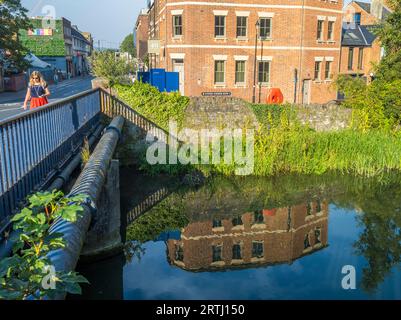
(147, 204)
(35, 145)
(113, 107)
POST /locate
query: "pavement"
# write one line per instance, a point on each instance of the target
(11, 103)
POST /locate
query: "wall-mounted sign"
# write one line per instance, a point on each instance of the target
(40, 32)
(216, 94)
(154, 46)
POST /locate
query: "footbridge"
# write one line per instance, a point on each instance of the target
(40, 149)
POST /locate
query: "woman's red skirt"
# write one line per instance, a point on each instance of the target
(38, 102)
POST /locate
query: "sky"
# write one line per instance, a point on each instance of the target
(108, 21)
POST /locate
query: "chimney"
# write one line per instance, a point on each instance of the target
(377, 9)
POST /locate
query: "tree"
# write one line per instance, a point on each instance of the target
(128, 45)
(13, 18)
(389, 34)
(380, 102)
(106, 65)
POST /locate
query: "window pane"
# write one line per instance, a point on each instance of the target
(307, 242)
(237, 222)
(264, 72)
(217, 253)
(360, 59)
(350, 58)
(318, 65)
(265, 27)
(177, 25)
(239, 71)
(219, 72)
(237, 255)
(257, 250)
(179, 253)
(259, 218)
(330, 30)
(217, 224)
(241, 26)
(328, 70)
(319, 29)
(220, 26)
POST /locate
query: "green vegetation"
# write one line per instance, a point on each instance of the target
(128, 45)
(28, 273)
(52, 46)
(166, 216)
(159, 107)
(106, 65)
(13, 18)
(379, 103)
(283, 145)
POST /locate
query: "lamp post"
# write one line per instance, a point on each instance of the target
(255, 62)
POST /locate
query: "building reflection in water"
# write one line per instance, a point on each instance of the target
(265, 237)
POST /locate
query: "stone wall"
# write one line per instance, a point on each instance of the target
(219, 113)
(325, 117)
(233, 113)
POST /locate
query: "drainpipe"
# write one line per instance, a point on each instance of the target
(89, 183)
(62, 178)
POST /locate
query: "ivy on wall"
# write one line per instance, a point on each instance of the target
(51, 46)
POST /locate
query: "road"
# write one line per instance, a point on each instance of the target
(11, 102)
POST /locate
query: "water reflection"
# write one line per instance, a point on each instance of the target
(275, 238)
(264, 237)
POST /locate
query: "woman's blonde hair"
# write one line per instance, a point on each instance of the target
(37, 74)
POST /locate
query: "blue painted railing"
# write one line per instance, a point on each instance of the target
(35, 145)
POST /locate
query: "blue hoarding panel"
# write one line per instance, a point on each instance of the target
(172, 81)
(144, 77)
(158, 79)
(162, 80)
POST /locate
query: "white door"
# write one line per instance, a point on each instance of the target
(306, 92)
(178, 66)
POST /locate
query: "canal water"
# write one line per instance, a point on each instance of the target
(291, 237)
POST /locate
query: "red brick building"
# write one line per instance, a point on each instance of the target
(142, 35)
(213, 45)
(265, 237)
(361, 50)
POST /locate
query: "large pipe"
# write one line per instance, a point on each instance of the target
(7, 245)
(90, 184)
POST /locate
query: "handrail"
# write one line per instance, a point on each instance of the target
(48, 106)
(35, 145)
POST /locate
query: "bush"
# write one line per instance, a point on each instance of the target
(159, 107)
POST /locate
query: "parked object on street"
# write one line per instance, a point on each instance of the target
(15, 82)
(37, 92)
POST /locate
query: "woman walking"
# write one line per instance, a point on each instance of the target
(38, 91)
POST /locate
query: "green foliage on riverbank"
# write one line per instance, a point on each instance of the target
(292, 148)
(156, 106)
(166, 216)
(29, 272)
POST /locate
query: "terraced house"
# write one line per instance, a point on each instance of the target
(245, 48)
(361, 49)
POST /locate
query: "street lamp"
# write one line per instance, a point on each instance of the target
(255, 62)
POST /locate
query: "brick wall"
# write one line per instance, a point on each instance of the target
(142, 34)
(292, 29)
(283, 239)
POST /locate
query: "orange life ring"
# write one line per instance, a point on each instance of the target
(275, 96)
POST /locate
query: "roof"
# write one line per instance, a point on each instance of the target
(360, 36)
(78, 35)
(364, 5)
(367, 7)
